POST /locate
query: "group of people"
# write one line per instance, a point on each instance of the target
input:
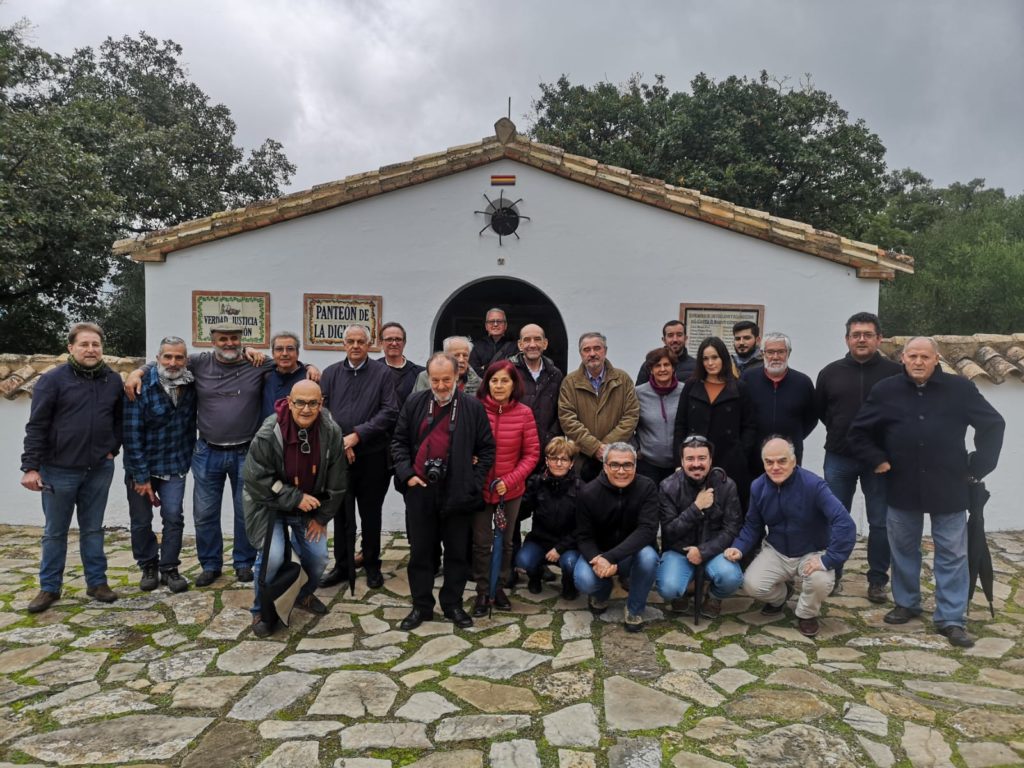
(706, 449)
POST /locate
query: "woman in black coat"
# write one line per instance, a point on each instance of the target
(716, 405)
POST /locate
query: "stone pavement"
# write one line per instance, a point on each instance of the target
(178, 680)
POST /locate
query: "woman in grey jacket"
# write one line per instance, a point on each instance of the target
(659, 399)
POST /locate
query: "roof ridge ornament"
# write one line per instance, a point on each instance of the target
(505, 130)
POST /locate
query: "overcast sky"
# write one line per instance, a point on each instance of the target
(350, 86)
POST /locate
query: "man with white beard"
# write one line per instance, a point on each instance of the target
(783, 397)
(159, 435)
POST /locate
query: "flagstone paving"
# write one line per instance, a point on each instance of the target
(179, 681)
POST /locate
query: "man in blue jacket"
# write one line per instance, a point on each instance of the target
(73, 432)
(912, 429)
(159, 436)
(799, 510)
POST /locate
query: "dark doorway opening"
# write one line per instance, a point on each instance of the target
(463, 315)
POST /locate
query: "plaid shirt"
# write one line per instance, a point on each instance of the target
(159, 436)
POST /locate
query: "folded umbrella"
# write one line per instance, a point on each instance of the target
(979, 558)
(350, 540)
(497, 549)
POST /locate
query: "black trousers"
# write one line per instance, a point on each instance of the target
(368, 480)
(426, 527)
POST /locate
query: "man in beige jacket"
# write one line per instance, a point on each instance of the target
(597, 405)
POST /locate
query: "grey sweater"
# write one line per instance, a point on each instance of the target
(654, 431)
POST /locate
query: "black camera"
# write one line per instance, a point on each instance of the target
(435, 470)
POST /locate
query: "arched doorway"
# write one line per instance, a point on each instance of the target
(463, 313)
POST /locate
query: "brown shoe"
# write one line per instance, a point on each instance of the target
(808, 627)
(42, 601)
(712, 607)
(357, 561)
(102, 592)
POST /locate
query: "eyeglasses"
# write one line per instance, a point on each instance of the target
(496, 322)
(558, 459)
(304, 441)
(286, 349)
(863, 335)
(304, 404)
(392, 339)
(621, 466)
(776, 352)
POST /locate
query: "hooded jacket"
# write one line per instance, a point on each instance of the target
(802, 516)
(516, 448)
(616, 522)
(470, 436)
(589, 418)
(683, 525)
(267, 492)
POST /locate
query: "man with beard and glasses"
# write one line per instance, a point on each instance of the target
(746, 335)
(673, 335)
(229, 394)
(783, 397)
(73, 432)
(159, 435)
(295, 479)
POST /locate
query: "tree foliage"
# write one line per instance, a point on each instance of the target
(790, 151)
(968, 248)
(99, 145)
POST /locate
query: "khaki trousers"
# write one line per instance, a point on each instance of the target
(766, 578)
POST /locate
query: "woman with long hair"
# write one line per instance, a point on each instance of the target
(659, 401)
(517, 450)
(715, 405)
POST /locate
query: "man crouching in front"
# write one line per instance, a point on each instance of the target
(616, 531)
(294, 477)
(798, 509)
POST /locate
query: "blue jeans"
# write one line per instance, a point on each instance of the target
(66, 492)
(312, 555)
(675, 573)
(210, 468)
(531, 556)
(172, 512)
(842, 474)
(641, 568)
(949, 533)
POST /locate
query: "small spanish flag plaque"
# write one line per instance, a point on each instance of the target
(503, 180)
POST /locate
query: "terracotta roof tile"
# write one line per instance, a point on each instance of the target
(19, 373)
(987, 356)
(870, 261)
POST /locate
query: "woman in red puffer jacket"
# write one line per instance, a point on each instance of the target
(517, 449)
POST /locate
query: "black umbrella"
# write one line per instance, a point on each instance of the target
(979, 559)
(698, 574)
(350, 539)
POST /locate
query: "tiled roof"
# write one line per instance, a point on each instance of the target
(870, 261)
(19, 373)
(987, 356)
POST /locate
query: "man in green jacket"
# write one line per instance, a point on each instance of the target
(294, 480)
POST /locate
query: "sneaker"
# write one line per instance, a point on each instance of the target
(901, 615)
(260, 628)
(102, 592)
(313, 604)
(712, 607)
(632, 622)
(679, 604)
(43, 600)
(206, 578)
(174, 580)
(877, 593)
(957, 636)
(775, 610)
(501, 601)
(244, 574)
(149, 580)
(808, 627)
(597, 606)
(534, 585)
(481, 606)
